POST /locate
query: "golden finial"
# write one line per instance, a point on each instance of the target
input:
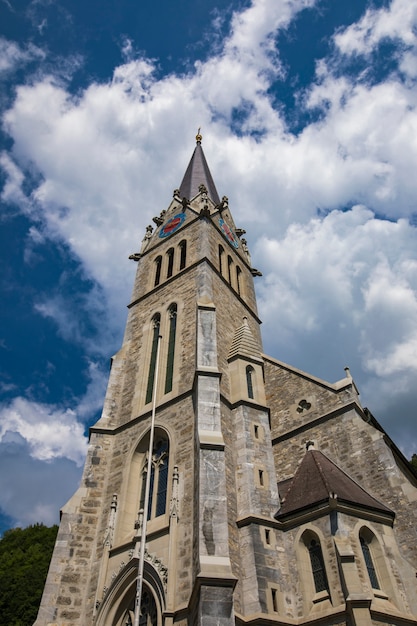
(198, 137)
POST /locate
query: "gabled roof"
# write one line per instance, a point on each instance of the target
(317, 480)
(244, 343)
(198, 173)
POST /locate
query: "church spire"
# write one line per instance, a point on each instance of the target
(198, 173)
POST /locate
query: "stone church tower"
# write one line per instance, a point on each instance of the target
(274, 497)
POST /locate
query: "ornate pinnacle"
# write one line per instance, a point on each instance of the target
(198, 137)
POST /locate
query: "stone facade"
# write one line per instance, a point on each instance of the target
(230, 538)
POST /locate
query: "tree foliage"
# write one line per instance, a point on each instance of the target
(414, 461)
(24, 560)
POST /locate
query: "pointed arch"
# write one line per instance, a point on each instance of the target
(172, 314)
(183, 253)
(317, 564)
(118, 604)
(221, 259)
(312, 569)
(238, 279)
(158, 267)
(170, 264)
(229, 268)
(381, 579)
(158, 492)
(156, 322)
(250, 372)
(369, 547)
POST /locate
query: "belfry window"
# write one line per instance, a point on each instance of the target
(221, 255)
(249, 380)
(229, 268)
(367, 555)
(183, 254)
(158, 265)
(171, 347)
(170, 268)
(156, 321)
(317, 566)
(238, 273)
(159, 478)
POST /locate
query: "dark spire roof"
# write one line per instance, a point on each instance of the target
(198, 173)
(317, 479)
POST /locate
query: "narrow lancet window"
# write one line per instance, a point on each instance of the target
(238, 273)
(249, 380)
(183, 254)
(229, 268)
(158, 265)
(171, 347)
(317, 566)
(369, 562)
(156, 321)
(221, 255)
(170, 268)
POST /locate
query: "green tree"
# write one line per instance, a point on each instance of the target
(414, 461)
(24, 560)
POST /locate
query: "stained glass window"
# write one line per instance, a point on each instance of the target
(317, 566)
(369, 563)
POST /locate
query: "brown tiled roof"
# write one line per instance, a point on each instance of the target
(316, 479)
(198, 173)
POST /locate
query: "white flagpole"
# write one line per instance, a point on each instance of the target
(147, 487)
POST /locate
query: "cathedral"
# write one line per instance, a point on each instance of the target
(223, 486)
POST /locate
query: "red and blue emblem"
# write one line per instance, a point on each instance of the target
(172, 225)
(228, 233)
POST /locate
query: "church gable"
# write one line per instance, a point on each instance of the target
(297, 398)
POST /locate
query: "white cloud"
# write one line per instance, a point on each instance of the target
(33, 491)
(342, 284)
(50, 432)
(42, 450)
(342, 290)
(12, 55)
(397, 21)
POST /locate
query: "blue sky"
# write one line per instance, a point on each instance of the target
(309, 122)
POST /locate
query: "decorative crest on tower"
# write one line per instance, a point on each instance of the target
(198, 136)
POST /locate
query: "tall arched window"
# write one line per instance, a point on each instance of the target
(238, 273)
(229, 268)
(366, 539)
(221, 256)
(156, 321)
(171, 347)
(170, 268)
(158, 265)
(183, 254)
(159, 477)
(249, 380)
(317, 566)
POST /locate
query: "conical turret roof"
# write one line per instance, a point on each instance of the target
(198, 173)
(244, 343)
